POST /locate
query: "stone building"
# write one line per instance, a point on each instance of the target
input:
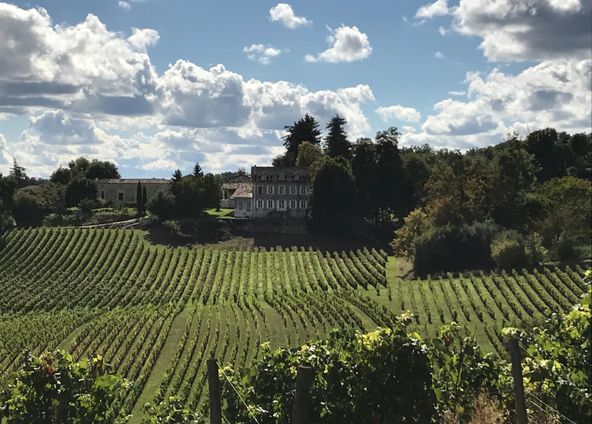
(280, 191)
(237, 185)
(122, 191)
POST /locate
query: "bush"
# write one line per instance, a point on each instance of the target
(162, 205)
(27, 209)
(52, 388)
(454, 248)
(173, 228)
(78, 190)
(6, 222)
(508, 250)
(564, 248)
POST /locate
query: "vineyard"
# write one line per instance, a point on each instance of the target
(157, 313)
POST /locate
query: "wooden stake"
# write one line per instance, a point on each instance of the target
(302, 399)
(521, 417)
(214, 389)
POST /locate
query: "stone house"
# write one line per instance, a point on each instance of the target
(122, 191)
(240, 184)
(282, 191)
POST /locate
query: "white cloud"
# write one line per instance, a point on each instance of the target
(439, 55)
(431, 10)
(261, 53)
(348, 44)
(555, 93)
(457, 93)
(522, 30)
(124, 5)
(402, 113)
(283, 13)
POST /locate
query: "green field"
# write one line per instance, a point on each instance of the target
(157, 313)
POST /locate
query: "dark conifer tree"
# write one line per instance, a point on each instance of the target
(336, 142)
(197, 171)
(306, 129)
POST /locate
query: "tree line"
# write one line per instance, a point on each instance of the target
(515, 203)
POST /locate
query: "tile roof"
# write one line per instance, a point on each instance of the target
(135, 181)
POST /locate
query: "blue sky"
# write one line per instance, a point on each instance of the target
(139, 82)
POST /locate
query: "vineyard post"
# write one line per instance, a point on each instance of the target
(521, 417)
(302, 399)
(214, 389)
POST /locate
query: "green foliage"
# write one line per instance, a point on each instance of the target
(27, 209)
(336, 143)
(305, 129)
(383, 376)
(334, 208)
(53, 388)
(173, 228)
(414, 225)
(162, 204)
(80, 189)
(557, 365)
(6, 223)
(462, 371)
(308, 153)
(508, 250)
(454, 248)
(170, 411)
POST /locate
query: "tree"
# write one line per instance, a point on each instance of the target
(336, 142)
(27, 209)
(53, 388)
(162, 205)
(305, 129)
(197, 171)
(139, 199)
(6, 222)
(18, 174)
(61, 176)
(78, 167)
(80, 189)
(101, 170)
(543, 144)
(415, 224)
(7, 190)
(144, 199)
(363, 168)
(389, 173)
(175, 181)
(308, 153)
(334, 206)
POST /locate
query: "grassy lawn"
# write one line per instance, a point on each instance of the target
(222, 213)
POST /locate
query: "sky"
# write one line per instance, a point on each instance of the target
(156, 85)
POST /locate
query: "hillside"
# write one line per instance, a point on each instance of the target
(156, 313)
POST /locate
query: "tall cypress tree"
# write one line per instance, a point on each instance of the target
(144, 198)
(305, 129)
(336, 142)
(139, 199)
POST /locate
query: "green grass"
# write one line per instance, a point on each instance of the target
(220, 213)
(112, 292)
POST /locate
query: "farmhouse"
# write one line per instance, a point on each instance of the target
(280, 190)
(122, 191)
(237, 186)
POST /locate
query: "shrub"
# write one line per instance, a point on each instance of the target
(454, 248)
(52, 388)
(162, 205)
(173, 228)
(508, 250)
(564, 248)
(27, 209)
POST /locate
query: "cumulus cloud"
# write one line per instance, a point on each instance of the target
(262, 53)
(439, 55)
(522, 30)
(124, 5)
(348, 44)
(283, 13)
(402, 113)
(431, 10)
(59, 66)
(555, 93)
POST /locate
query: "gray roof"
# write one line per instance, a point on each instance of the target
(135, 181)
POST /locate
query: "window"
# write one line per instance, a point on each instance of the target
(302, 189)
(292, 204)
(269, 189)
(268, 177)
(303, 204)
(281, 204)
(102, 194)
(282, 189)
(260, 190)
(240, 205)
(260, 204)
(292, 189)
(248, 206)
(120, 196)
(270, 204)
